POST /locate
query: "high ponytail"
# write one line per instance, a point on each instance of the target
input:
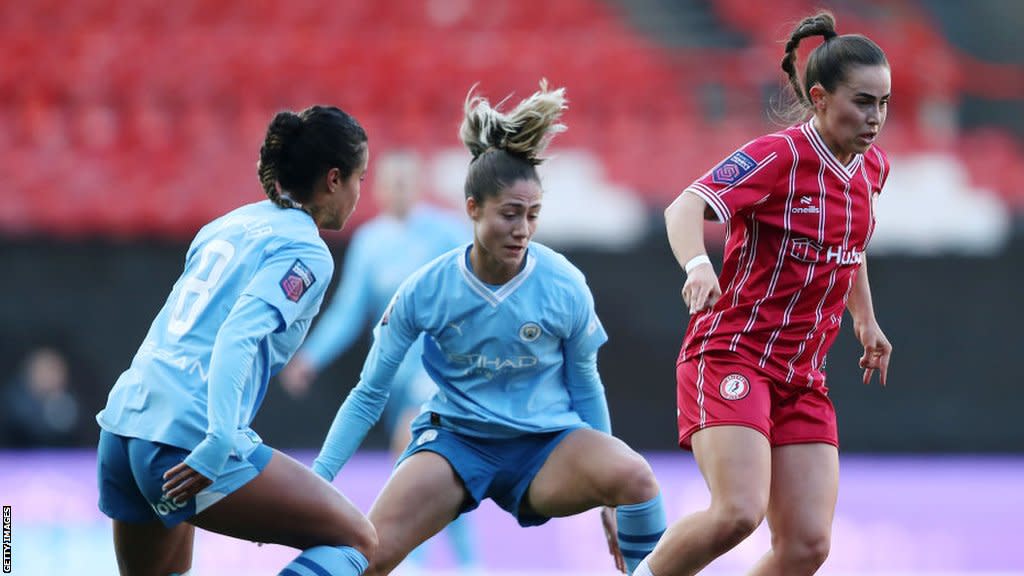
(821, 24)
(507, 146)
(827, 65)
(524, 131)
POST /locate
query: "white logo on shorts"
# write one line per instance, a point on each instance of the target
(426, 437)
(167, 506)
(734, 387)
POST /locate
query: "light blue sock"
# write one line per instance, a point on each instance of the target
(640, 528)
(327, 561)
(460, 533)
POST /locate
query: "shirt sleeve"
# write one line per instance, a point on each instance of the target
(346, 316)
(231, 362)
(587, 391)
(293, 280)
(392, 337)
(747, 177)
(582, 379)
(587, 333)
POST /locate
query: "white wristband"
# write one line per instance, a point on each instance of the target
(696, 261)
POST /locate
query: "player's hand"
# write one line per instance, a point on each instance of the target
(877, 350)
(182, 483)
(611, 533)
(701, 289)
(297, 376)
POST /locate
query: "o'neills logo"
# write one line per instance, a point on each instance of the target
(806, 206)
(842, 257)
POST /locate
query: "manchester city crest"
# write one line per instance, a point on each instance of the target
(529, 332)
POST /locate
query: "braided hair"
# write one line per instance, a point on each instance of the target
(828, 64)
(300, 148)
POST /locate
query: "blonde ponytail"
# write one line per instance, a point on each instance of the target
(525, 131)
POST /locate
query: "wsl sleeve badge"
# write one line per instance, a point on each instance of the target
(733, 168)
(297, 280)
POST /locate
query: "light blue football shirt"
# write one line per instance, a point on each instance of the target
(383, 253)
(508, 360)
(261, 271)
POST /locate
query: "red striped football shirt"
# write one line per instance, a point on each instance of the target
(799, 221)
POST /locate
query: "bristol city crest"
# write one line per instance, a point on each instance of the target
(734, 387)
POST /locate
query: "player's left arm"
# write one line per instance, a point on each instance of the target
(582, 379)
(586, 390)
(289, 285)
(250, 320)
(877, 349)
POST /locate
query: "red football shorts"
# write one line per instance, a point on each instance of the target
(723, 389)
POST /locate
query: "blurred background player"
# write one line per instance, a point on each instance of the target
(511, 339)
(406, 235)
(753, 405)
(176, 449)
(40, 407)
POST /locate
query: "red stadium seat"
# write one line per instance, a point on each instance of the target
(161, 107)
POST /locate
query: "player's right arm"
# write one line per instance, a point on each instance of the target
(684, 221)
(748, 177)
(394, 334)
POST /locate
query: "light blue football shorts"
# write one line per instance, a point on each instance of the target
(499, 469)
(130, 479)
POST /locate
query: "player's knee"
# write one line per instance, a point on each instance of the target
(356, 532)
(737, 519)
(815, 552)
(634, 481)
(646, 482)
(386, 558)
(364, 539)
(803, 554)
